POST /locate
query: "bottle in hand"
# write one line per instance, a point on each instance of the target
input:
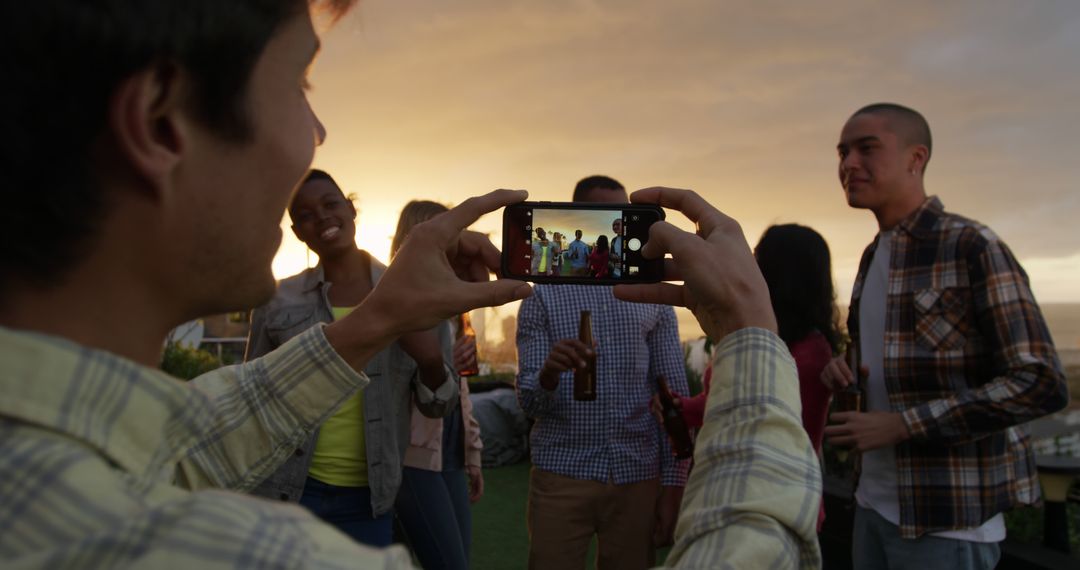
(585, 378)
(850, 398)
(682, 446)
(465, 329)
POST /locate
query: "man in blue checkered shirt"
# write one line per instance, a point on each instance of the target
(601, 467)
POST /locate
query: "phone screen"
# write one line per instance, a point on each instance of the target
(569, 242)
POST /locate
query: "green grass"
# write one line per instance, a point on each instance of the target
(500, 537)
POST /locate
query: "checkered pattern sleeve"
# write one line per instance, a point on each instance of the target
(534, 342)
(1030, 382)
(264, 410)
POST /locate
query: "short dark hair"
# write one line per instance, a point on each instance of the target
(63, 60)
(591, 183)
(797, 267)
(316, 174)
(906, 123)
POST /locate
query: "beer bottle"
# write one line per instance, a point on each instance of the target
(682, 446)
(585, 378)
(850, 398)
(465, 329)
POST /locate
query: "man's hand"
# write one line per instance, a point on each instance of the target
(837, 374)
(657, 408)
(723, 285)
(440, 271)
(476, 483)
(667, 513)
(867, 431)
(567, 354)
(464, 352)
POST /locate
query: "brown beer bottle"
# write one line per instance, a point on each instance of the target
(850, 398)
(585, 378)
(472, 367)
(682, 446)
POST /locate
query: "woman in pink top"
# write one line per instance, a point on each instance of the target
(796, 264)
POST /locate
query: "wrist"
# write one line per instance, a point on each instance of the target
(549, 379)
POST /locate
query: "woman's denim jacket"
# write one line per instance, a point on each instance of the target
(300, 303)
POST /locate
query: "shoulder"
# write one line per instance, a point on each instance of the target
(964, 233)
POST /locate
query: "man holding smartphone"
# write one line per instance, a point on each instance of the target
(955, 354)
(601, 467)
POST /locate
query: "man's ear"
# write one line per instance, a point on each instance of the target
(917, 161)
(146, 120)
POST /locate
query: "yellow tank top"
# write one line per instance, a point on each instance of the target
(340, 456)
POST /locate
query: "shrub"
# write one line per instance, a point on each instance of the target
(185, 362)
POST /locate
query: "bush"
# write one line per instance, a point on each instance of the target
(185, 362)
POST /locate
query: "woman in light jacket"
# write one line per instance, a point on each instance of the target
(349, 472)
(442, 473)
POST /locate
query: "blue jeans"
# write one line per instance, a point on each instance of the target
(433, 508)
(348, 509)
(877, 544)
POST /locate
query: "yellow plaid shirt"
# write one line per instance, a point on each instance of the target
(105, 463)
(753, 496)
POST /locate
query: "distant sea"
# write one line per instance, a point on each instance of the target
(1063, 319)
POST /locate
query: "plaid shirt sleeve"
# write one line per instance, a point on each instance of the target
(265, 409)
(753, 496)
(1030, 382)
(665, 354)
(534, 342)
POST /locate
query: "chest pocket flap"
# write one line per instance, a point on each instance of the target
(941, 317)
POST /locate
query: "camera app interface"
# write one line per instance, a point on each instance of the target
(579, 244)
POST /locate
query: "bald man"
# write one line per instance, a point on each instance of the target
(954, 355)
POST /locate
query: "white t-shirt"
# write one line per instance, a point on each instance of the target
(878, 482)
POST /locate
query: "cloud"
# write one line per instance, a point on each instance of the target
(742, 101)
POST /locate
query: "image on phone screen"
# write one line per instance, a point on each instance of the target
(567, 242)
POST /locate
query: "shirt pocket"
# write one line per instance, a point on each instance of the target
(941, 318)
(285, 324)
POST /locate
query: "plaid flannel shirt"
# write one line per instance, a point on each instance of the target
(108, 464)
(967, 358)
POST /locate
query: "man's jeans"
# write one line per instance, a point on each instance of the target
(877, 544)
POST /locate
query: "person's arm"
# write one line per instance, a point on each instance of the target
(435, 382)
(534, 342)
(752, 498)
(473, 446)
(666, 360)
(1031, 382)
(264, 410)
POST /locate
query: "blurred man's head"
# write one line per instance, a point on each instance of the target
(577, 234)
(541, 234)
(883, 150)
(616, 226)
(600, 189)
(181, 122)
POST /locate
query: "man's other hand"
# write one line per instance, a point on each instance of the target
(866, 431)
(723, 286)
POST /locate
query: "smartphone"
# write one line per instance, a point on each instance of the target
(581, 243)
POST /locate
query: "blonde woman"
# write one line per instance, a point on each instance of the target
(442, 473)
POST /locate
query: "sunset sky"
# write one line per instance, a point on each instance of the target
(741, 101)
